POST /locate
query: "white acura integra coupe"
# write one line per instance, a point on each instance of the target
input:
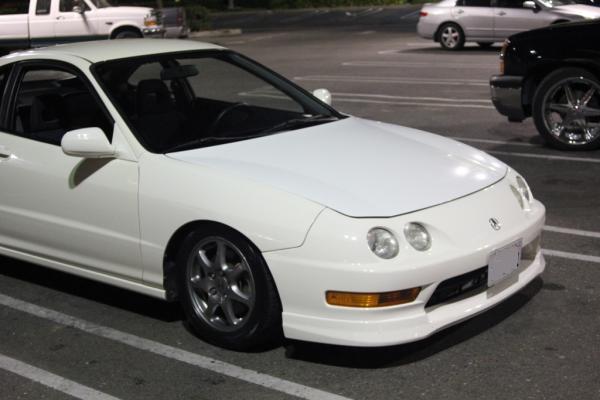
(186, 171)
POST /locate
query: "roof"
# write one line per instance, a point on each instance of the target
(103, 50)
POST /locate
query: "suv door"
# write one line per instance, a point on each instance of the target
(476, 18)
(72, 211)
(511, 17)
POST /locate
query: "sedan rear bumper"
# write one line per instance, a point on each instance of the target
(506, 96)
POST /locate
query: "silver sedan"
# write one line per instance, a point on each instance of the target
(454, 22)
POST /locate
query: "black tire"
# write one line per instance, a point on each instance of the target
(559, 122)
(244, 274)
(451, 36)
(128, 34)
(485, 45)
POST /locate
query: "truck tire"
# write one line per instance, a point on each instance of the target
(127, 34)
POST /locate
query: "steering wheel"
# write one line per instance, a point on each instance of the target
(212, 130)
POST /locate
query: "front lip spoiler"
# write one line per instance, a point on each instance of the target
(506, 93)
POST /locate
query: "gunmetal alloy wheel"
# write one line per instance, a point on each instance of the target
(220, 284)
(567, 109)
(451, 37)
(226, 289)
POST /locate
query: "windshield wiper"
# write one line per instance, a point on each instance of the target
(286, 125)
(299, 122)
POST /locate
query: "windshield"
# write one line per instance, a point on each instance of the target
(101, 3)
(554, 3)
(180, 101)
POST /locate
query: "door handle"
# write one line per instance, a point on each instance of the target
(501, 13)
(460, 11)
(60, 17)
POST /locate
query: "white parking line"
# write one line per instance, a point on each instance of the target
(544, 156)
(571, 256)
(569, 231)
(489, 141)
(409, 103)
(50, 380)
(210, 364)
(390, 80)
(434, 99)
(395, 64)
(410, 14)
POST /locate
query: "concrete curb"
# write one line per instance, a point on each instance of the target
(217, 32)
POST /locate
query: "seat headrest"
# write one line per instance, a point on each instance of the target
(47, 110)
(153, 97)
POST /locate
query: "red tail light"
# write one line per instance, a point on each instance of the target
(423, 14)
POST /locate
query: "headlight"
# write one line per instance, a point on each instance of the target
(523, 189)
(383, 243)
(417, 236)
(152, 19)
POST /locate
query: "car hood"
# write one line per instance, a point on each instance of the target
(357, 167)
(582, 10)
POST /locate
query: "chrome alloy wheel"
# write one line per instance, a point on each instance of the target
(220, 284)
(450, 36)
(571, 111)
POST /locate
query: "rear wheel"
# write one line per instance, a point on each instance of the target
(566, 109)
(226, 290)
(451, 37)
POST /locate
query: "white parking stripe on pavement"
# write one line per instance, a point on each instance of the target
(393, 97)
(395, 64)
(489, 141)
(544, 156)
(569, 231)
(209, 364)
(571, 256)
(51, 380)
(393, 79)
(410, 103)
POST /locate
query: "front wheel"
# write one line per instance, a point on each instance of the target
(566, 109)
(226, 290)
(128, 34)
(451, 37)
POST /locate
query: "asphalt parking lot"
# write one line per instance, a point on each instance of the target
(65, 337)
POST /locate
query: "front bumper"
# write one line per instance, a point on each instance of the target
(506, 96)
(334, 258)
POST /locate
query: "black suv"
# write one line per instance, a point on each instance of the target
(553, 74)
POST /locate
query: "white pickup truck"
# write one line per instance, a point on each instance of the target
(37, 23)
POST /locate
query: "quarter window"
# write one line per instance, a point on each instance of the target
(42, 7)
(51, 102)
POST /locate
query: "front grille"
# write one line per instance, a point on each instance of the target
(469, 283)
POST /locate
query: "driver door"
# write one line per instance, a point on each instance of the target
(74, 211)
(71, 25)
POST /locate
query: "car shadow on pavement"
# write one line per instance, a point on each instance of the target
(386, 357)
(91, 290)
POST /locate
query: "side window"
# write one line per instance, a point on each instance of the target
(42, 7)
(68, 5)
(4, 73)
(510, 3)
(14, 7)
(51, 102)
(473, 3)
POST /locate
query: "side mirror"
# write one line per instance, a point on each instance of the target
(87, 143)
(530, 5)
(324, 95)
(78, 9)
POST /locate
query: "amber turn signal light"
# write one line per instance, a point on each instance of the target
(370, 300)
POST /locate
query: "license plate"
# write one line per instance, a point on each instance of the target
(504, 262)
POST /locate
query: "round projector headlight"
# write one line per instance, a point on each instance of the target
(417, 236)
(383, 243)
(523, 188)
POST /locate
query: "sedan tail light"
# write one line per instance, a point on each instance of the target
(423, 13)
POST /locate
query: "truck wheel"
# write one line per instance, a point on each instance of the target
(127, 34)
(226, 290)
(451, 36)
(566, 109)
